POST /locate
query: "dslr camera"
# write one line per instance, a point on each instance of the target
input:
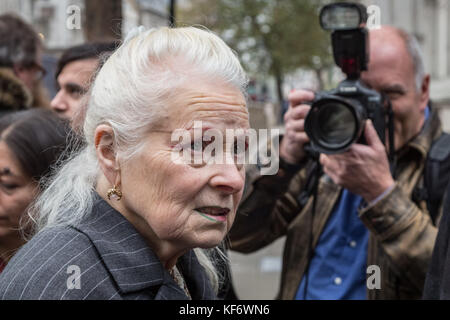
(337, 117)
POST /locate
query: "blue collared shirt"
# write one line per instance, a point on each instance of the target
(337, 269)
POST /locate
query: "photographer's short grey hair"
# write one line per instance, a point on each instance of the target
(415, 52)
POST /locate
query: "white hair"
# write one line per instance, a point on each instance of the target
(415, 52)
(417, 57)
(130, 94)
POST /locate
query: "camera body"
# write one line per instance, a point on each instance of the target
(337, 117)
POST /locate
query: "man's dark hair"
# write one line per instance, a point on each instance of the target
(19, 42)
(37, 138)
(97, 50)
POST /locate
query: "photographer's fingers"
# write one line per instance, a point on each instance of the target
(330, 166)
(326, 161)
(293, 124)
(300, 111)
(371, 135)
(298, 97)
(300, 138)
(291, 148)
(296, 113)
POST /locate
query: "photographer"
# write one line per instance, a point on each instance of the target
(363, 214)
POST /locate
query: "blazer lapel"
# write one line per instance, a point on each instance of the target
(170, 290)
(126, 255)
(196, 278)
(131, 262)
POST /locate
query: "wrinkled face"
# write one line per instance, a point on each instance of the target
(192, 205)
(391, 72)
(73, 83)
(16, 192)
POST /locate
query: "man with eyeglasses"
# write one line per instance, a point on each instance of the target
(20, 68)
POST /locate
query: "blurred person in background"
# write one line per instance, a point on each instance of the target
(138, 224)
(21, 71)
(74, 75)
(31, 142)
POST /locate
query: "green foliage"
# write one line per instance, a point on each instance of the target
(273, 37)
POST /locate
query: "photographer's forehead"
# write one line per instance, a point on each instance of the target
(387, 44)
(390, 63)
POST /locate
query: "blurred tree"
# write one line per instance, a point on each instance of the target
(103, 21)
(274, 37)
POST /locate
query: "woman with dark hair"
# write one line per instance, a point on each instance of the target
(30, 144)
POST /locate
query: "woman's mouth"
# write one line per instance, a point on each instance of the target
(213, 213)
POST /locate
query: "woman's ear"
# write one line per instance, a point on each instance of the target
(106, 153)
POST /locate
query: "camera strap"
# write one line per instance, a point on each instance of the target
(391, 154)
(311, 189)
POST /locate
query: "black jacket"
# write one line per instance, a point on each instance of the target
(437, 282)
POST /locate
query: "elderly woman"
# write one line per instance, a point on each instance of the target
(123, 219)
(31, 142)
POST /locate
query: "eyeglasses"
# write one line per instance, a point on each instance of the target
(40, 71)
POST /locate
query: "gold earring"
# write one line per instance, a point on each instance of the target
(114, 193)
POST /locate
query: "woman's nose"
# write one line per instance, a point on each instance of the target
(229, 178)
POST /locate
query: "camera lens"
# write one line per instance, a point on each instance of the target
(336, 124)
(333, 124)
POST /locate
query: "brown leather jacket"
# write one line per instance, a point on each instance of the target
(402, 234)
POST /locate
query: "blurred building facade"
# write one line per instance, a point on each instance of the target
(60, 23)
(51, 17)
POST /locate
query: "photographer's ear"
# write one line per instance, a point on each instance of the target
(106, 153)
(425, 91)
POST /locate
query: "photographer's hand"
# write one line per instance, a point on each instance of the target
(291, 148)
(363, 169)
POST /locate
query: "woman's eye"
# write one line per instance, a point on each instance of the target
(198, 145)
(240, 147)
